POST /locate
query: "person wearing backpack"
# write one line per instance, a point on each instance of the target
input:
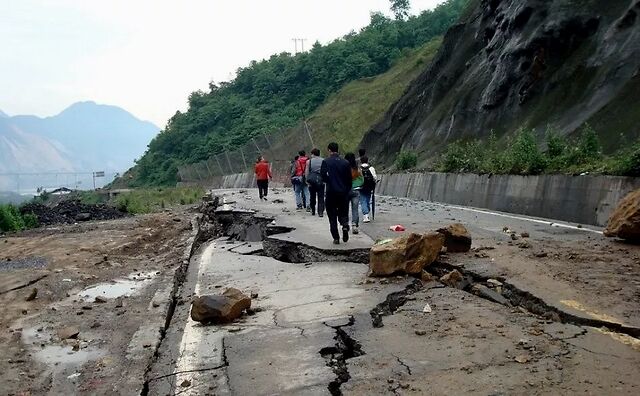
(299, 183)
(368, 187)
(315, 182)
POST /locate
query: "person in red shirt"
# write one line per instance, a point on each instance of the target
(263, 175)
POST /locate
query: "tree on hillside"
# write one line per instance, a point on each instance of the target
(400, 8)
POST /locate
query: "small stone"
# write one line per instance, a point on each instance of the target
(68, 332)
(254, 295)
(514, 237)
(454, 279)
(100, 300)
(155, 304)
(521, 358)
(185, 383)
(493, 283)
(119, 303)
(524, 234)
(541, 254)
(421, 332)
(87, 307)
(524, 245)
(32, 295)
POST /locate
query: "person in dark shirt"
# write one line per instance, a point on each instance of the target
(336, 173)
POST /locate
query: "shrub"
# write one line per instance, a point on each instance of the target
(12, 220)
(556, 144)
(30, 220)
(522, 156)
(406, 160)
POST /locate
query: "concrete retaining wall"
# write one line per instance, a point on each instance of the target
(576, 199)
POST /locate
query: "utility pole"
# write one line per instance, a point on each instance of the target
(301, 40)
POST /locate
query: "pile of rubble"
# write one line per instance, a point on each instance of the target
(71, 211)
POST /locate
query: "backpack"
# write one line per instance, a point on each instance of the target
(301, 166)
(369, 182)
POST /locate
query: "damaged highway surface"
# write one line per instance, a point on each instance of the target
(535, 307)
(319, 324)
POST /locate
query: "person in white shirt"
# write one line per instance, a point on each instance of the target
(366, 191)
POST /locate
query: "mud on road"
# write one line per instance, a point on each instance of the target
(109, 281)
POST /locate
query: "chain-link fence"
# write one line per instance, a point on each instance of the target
(278, 148)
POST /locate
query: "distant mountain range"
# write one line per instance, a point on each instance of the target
(84, 137)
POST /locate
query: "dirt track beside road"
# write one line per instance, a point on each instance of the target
(134, 257)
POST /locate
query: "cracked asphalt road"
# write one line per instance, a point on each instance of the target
(314, 334)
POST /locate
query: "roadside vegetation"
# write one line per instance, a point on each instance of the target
(12, 220)
(147, 200)
(154, 199)
(406, 160)
(521, 154)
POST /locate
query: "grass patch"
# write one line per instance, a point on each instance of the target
(347, 115)
(406, 160)
(155, 199)
(521, 155)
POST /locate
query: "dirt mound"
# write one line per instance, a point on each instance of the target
(71, 211)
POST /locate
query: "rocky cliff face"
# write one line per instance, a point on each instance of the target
(514, 63)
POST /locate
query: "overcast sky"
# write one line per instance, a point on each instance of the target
(148, 55)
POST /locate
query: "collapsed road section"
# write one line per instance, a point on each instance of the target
(320, 325)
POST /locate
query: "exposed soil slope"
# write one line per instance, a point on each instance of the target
(530, 63)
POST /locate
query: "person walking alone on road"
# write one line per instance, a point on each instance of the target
(263, 175)
(299, 182)
(336, 173)
(316, 184)
(354, 196)
(368, 187)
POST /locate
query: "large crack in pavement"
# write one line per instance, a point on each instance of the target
(337, 355)
(393, 301)
(514, 296)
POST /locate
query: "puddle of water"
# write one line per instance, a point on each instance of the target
(119, 287)
(56, 354)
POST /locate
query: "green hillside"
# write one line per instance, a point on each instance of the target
(277, 93)
(347, 115)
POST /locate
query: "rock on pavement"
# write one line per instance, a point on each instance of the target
(220, 308)
(624, 222)
(457, 238)
(409, 254)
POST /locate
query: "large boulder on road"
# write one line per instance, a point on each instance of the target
(408, 254)
(624, 222)
(456, 238)
(220, 308)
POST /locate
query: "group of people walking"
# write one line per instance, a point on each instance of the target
(330, 185)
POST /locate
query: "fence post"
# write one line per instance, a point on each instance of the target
(254, 142)
(307, 128)
(219, 166)
(226, 153)
(268, 141)
(244, 161)
(206, 162)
